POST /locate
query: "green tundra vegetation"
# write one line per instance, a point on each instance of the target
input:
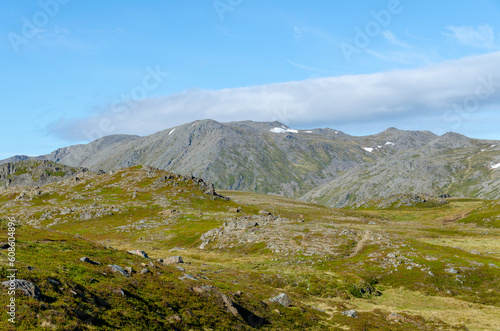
(408, 263)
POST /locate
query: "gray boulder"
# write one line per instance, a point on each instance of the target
(26, 287)
(87, 260)
(117, 268)
(140, 253)
(395, 317)
(282, 299)
(171, 260)
(188, 276)
(350, 313)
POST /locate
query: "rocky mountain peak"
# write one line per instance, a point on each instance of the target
(274, 158)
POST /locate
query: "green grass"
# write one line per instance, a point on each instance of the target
(334, 282)
(58, 173)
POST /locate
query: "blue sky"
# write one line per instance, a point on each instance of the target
(75, 70)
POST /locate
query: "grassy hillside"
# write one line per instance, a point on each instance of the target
(400, 268)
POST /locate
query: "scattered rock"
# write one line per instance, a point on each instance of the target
(451, 270)
(46, 216)
(202, 289)
(53, 281)
(393, 317)
(188, 276)
(144, 271)
(391, 255)
(117, 268)
(65, 211)
(86, 259)
(264, 212)
(282, 299)
(168, 212)
(28, 288)
(430, 258)
(85, 216)
(228, 303)
(140, 253)
(239, 225)
(350, 313)
(235, 210)
(171, 260)
(129, 270)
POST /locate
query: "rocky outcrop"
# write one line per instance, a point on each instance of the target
(404, 200)
(30, 173)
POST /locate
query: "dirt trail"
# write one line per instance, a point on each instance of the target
(360, 244)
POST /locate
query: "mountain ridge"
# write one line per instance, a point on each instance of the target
(320, 165)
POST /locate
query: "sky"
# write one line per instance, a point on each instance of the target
(73, 71)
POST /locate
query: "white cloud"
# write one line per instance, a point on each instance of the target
(390, 37)
(408, 58)
(422, 94)
(483, 36)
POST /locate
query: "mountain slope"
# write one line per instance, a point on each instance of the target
(451, 164)
(322, 165)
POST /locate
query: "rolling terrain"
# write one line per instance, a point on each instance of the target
(403, 263)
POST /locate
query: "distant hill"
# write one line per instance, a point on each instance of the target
(29, 173)
(321, 165)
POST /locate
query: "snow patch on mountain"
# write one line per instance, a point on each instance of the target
(495, 166)
(283, 130)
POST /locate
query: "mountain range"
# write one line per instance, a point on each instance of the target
(326, 166)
